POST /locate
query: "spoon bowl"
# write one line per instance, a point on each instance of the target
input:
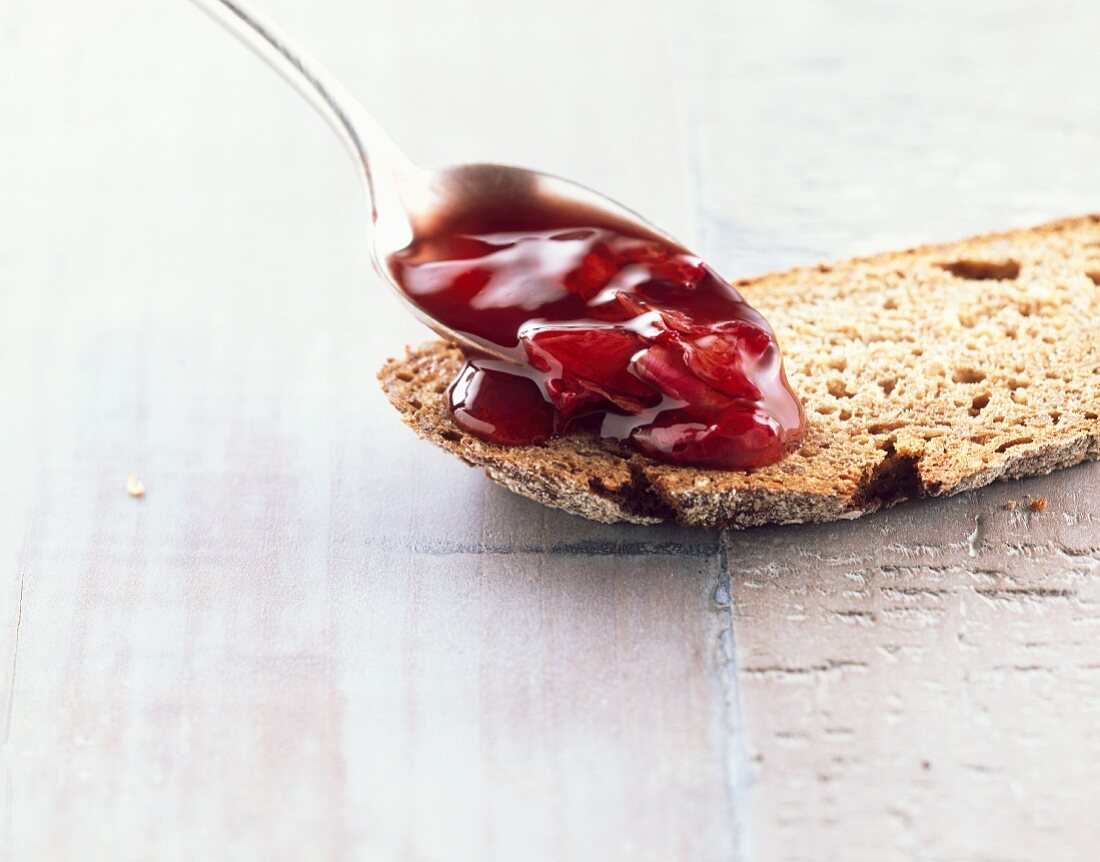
(488, 197)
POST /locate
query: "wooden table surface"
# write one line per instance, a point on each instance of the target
(318, 638)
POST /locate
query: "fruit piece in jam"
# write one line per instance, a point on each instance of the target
(606, 332)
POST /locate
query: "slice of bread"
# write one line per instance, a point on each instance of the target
(923, 373)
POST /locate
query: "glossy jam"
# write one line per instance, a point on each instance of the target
(607, 333)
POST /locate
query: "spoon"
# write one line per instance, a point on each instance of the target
(409, 204)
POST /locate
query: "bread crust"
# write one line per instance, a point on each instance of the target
(911, 382)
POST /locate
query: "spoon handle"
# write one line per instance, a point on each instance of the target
(358, 130)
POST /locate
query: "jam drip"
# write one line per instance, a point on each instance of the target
(615, 334)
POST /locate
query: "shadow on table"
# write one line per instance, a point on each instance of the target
(455, 509)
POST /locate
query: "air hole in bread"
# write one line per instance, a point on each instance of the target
(1094, 276)
(599, 485)
(968, 375)
(895, 478)
(838, 363)
(885, 427)
(453, 436)
(844, 416)
(415, 404)
(887, 384)
(1055, 417)
(983, 270)
(980, 439)
(1089, 414)
(839, 389)
(1016, 441)
(890, 304)
(826, 409)
(979, 403)
(404, 376)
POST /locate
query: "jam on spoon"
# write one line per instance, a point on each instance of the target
(605, 332)
(585, 317)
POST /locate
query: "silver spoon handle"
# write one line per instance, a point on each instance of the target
(358, 130)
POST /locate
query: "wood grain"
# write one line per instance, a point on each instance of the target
(317, 638)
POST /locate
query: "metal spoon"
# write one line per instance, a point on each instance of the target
(409, 204)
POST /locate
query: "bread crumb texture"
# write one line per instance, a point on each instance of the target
(924, 372)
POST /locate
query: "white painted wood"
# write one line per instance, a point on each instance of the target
(314, 637)
(317, 638)
(920, 684)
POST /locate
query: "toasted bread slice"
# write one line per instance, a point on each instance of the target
(924, 372)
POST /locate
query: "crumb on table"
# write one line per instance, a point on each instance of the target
(134, 486)
(1039, 504)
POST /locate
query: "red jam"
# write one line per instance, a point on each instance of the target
(623, 336)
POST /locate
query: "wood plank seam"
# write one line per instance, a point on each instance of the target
(738, 764)
(5, 743)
